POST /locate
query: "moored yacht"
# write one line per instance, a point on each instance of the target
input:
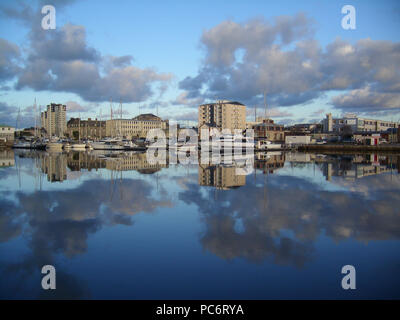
(268, 145)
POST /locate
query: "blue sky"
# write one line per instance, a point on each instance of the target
(166, 36)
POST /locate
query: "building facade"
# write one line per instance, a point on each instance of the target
(223, 114)
(137, 127)
(54, 119)
(269, 130)
(351, 122)
(7, 133)
(86, 129)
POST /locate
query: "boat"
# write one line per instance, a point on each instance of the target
(228, 143)
(108, 144)
(268, 145)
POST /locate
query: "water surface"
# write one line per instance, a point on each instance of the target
(115, 226)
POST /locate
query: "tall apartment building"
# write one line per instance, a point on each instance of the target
(356, 124)
(136, 127)
(54, 119)
(223, 114)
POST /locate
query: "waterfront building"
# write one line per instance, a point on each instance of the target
(269, 130)
(137, 127)
(222, 114)
(86, 129)
(53, 120)
(353, 123)
(6, 133)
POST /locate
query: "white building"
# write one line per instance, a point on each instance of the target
(291, 140)
(356, 124)
(7, 133)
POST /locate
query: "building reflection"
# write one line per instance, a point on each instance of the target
(77, 161)
(133, 161)
(54, 165)
(353, 167)
(220, 177)
(7, 158)
(269, 162)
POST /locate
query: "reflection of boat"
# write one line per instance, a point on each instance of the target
(264, 156)
(54, 146)
(236, 159)
(182, 146)
(22, 144)
(78, 146)
(268, 145)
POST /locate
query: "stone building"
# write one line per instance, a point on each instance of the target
(7, 133)
(270, 131)
(137, 127)
(86, 129)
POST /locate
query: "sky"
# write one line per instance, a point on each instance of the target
(167, 57)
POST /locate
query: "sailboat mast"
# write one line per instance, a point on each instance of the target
(265, 104)
(101, 117)
(35, 116)
(79, 128)
(120, 124)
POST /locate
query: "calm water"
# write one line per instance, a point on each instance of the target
(115, 226)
